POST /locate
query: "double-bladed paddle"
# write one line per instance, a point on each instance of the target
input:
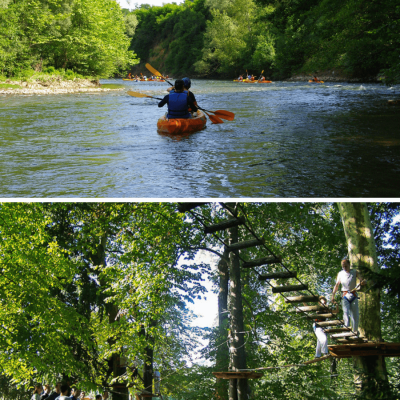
(213, 118)
(155, 72)
(229, 116)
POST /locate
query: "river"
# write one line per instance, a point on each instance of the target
(288, 140)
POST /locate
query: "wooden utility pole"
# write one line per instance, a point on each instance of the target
(222, 359)
(238, 388)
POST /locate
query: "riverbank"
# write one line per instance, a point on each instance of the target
(332, 76)
(55, 85)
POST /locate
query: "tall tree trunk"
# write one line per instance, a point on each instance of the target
(222, 359)
(237, 349)
(370, 372)
(120, 391)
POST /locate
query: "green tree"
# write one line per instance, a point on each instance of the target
(86, 36)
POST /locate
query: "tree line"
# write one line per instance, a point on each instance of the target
(202, 38)
(225, 38)
(84, 37)
(86, 285)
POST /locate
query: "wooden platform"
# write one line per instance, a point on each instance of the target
(238, 375)
(365, 349)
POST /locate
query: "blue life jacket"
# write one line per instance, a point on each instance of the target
(178, 105)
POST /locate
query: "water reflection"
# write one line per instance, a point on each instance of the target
(287, 140)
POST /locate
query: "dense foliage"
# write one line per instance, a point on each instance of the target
(171, 36)
(84, 36)
(79, 282)
(280, 37)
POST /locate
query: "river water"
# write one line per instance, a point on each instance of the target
(288, 140)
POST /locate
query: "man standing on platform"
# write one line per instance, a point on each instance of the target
(347, 278)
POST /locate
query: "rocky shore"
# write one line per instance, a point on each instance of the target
(54, 86)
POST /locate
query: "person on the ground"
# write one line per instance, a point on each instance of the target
(98, 396)
(157, 381)
(37, 392)
(56, 393)
(105, 395)
(75, 393)
(82, 395)
(64, 392)
(322, 340)
(46, 392)
(178, 102)
(347, 278)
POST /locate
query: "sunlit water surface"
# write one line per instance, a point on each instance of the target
(287, 140)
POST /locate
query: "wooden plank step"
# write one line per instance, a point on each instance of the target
(309, 308)
(245, 244)
(337, 330)
(238, 375)
(289, 288)
(183, 207)
(316, 316)
(278, 275)
(352, 340)
(262, 261)
(301, 299)
(343, 335)
(329, 323)
(221, 226)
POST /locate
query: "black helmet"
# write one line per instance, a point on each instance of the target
(186, 82)
(179, 84)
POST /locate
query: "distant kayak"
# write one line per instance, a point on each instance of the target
(143, 80)
(250, 81)
(311, 81)
(178, 126)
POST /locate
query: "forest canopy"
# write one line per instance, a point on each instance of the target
(86, 37)
(225, 38)
(83, 284)
(203, 38)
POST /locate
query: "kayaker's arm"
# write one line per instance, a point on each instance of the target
(164, 101)
(192, 105)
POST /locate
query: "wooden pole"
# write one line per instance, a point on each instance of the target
(237, 348)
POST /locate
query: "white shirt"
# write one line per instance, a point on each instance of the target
(347, 280)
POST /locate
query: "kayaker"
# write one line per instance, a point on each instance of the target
(186, 84)
(262, 78)
(178, 102)
(240, 78)
(315, 79)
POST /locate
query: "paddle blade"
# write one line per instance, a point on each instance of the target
(152, 70)
(136, 94)
(229, 116)
(215, 120)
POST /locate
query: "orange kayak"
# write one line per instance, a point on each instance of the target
(247, 81)
(311, 81)
(178, 126)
